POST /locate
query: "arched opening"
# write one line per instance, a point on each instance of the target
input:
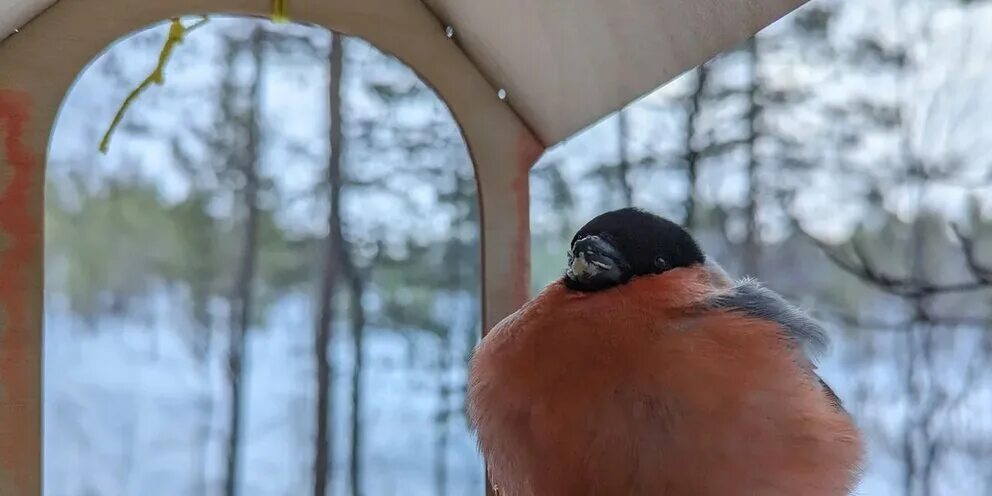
(189, 262)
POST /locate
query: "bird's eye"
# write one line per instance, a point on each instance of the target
(660, 263)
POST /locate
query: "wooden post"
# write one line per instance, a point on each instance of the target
(505, 235)
(20, 298)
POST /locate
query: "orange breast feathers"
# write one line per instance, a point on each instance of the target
(639, 390)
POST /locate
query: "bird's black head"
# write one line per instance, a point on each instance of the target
(619, 245)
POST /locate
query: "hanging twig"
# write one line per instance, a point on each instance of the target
(177, 33)
(279, 11)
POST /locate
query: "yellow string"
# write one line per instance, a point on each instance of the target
(279, 11)
(177, 33)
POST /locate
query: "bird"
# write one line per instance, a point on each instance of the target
(647, 370)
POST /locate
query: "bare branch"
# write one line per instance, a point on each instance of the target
(948, 321)
(863, 268)
(978, 271)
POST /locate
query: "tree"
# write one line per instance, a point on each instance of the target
(323, 459)
(357, 315)
(909, 168)
(623, 159)
(242, 293)
(694, 103)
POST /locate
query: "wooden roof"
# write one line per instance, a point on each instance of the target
(564, 64)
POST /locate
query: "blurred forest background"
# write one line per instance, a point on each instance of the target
(270, 284)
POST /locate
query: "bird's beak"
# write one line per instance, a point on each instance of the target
(592, 256)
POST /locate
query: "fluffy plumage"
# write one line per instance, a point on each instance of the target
(671, 383)
(753, 299)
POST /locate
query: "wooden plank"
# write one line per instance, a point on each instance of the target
(564, 64)
(567, 63)
(20, 299)
(16, 13)
(41, 62)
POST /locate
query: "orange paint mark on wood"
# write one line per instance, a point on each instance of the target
(529, 150)
(20, 299)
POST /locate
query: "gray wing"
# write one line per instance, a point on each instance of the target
(753, 299)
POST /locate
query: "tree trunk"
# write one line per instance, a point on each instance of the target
(323, 460)
(201, 453)
(241, 307)
(751, 251)
(919, 443)
(443, 414)
(202, 243)
(357, 290)
(623, 165)
(915, 353)
(691, 154)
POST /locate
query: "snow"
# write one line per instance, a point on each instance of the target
(125, 402)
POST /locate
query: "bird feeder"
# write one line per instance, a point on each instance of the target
(519, 76)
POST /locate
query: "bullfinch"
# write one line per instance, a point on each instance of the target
(646, 370)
